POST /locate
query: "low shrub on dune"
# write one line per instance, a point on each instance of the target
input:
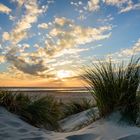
(44, 112)
(114, 87)
(38, 111)
(14, 102)
(74, 107)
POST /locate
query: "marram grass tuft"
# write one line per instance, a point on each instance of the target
(114, 87)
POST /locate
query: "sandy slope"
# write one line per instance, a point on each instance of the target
(12, 128)
(79, 120)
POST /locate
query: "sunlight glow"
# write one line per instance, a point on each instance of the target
(64, 74)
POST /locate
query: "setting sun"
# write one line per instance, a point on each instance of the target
(64, 74)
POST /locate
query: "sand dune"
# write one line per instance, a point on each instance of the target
(13, 128)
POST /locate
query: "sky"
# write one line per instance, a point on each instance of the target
(46, 42)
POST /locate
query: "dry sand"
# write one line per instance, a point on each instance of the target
(13, 128)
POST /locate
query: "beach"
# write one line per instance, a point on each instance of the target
(61, 94)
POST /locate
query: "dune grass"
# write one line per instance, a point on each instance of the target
(43, 111)
(38, 111)
(114, 87)
(74, 107)
(13, 102)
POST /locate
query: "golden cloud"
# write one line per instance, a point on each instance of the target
(43, 26)
(4, 9)
(69, 35)
(93, 5)
(25, 23)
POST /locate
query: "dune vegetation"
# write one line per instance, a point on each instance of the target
(74, 107)
(38, 111)
(114, 87)
(44, 112)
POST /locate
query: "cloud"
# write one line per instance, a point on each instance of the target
(117, 3)
(68, 35)
(62, 21)
(2, 59)
(93, 5)
(25, 66)
(134, 50)
(130, 7)
(19, 2)
(106, 20)
(126, 53)
(4, 9)
(64, 37)
(5, 36)
(83, 9)
(43, 26)
(20, 31)
(123, 5)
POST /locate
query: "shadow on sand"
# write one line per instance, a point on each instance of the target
(82, 137)
(132, 137)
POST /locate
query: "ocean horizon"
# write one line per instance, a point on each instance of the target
(69, 89)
